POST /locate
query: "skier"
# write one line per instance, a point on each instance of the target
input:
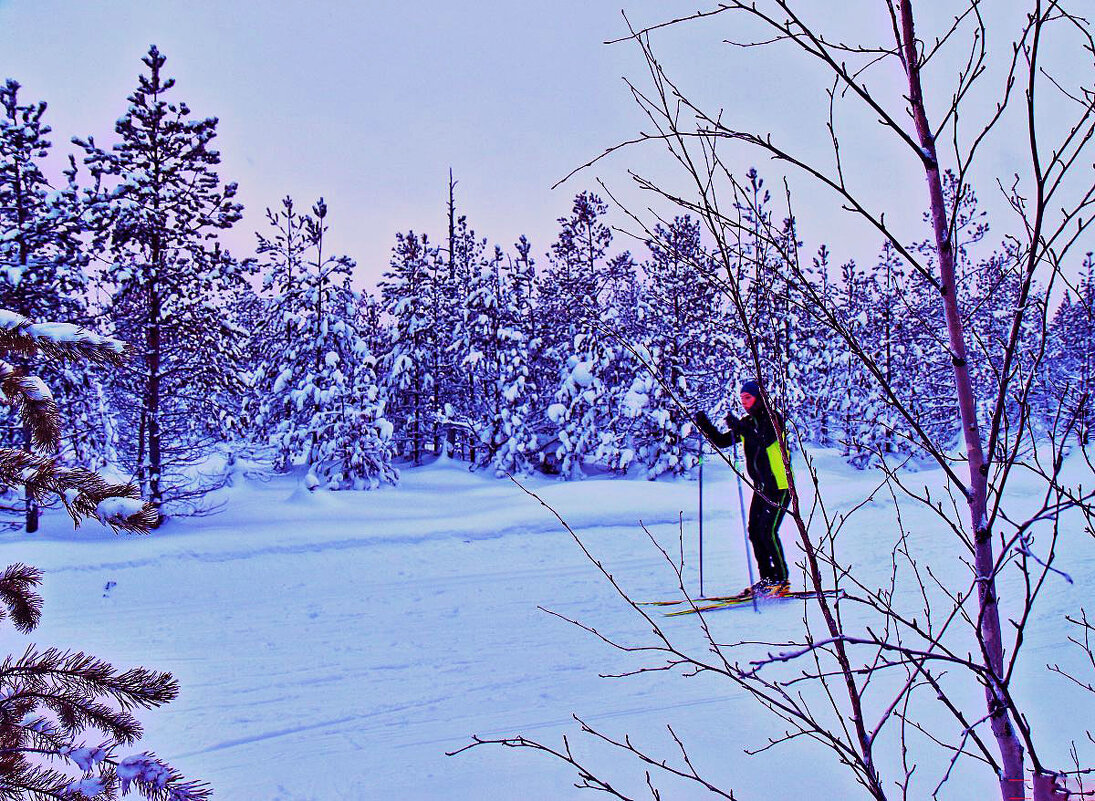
(761, 433)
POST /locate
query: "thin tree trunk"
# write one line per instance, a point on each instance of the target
(31, 504)
(155, 493)
(1011, 748)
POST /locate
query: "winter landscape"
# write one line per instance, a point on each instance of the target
(475, 522)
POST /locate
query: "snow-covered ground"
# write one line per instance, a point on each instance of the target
(336, 645)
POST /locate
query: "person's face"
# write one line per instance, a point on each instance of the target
(747, 401)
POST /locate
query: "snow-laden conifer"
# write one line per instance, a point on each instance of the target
(319, 403)
(407, 291)
(516, 442)
(576, 346)
(66, 718)
(157, 203)
(1069, 377)
(42, 274)
(683, 349)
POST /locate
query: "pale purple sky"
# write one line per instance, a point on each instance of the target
(369, 103)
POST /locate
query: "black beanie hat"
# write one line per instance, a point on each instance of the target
(752, 388)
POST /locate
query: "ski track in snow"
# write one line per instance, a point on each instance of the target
(335, 645)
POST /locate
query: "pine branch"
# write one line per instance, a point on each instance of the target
(57, 341)
(24, 606)
(92, 677)
(84, 493)
(34, 402)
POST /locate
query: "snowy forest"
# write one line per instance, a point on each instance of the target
(586, 356)
(368, 497)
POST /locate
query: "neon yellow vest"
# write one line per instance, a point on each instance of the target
(779, 467)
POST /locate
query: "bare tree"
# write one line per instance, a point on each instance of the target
(948, 638)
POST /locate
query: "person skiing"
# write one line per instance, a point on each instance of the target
(762, 437)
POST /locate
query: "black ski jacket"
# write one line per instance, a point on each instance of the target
(763, 455)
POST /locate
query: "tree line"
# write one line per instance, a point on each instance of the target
(590, 357)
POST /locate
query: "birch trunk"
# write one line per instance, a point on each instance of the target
(1011, 748)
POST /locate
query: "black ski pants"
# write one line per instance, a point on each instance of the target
(765, 514)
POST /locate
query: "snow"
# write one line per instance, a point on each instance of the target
(582, 374)
(56, 332)
(35, 389)
(142, 768)
(556, 413)
(335, 645)
(118, 509)
(66, 332)
(89, 787)
(10, 320)
(86, 758)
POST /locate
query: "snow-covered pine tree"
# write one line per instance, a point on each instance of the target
(757, 271)
(517, 445)
(158, 203)
(817, 417)
(319, 402)
(407, 291)
(458, 392)
(372, 326)
(994, 277)
(682, 346)
(619, 327)
(42, 273)
(895, 304)
(576, 342)
(479, 340)
(280, 253)
(1070, 370)
(855, 394)
(932, 386)
(64, 715)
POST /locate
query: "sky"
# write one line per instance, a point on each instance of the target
(369, 104)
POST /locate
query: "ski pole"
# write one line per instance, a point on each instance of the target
(744, 523)
(701, 517)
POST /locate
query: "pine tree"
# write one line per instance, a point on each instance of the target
(319, 403)
(856, 396)
(758, 274)
(281, 255)
(53, 702)
(159, 205)
(516, 442)
(42, 269)
(891, 351)
(407, 292)
(682, 342)
(576, 342)
(1070, 369)
(819, 355)
(458, 393)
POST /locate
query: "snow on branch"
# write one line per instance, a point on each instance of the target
(57, 340)
(35, 404)
(84, 492)
(50, 699)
